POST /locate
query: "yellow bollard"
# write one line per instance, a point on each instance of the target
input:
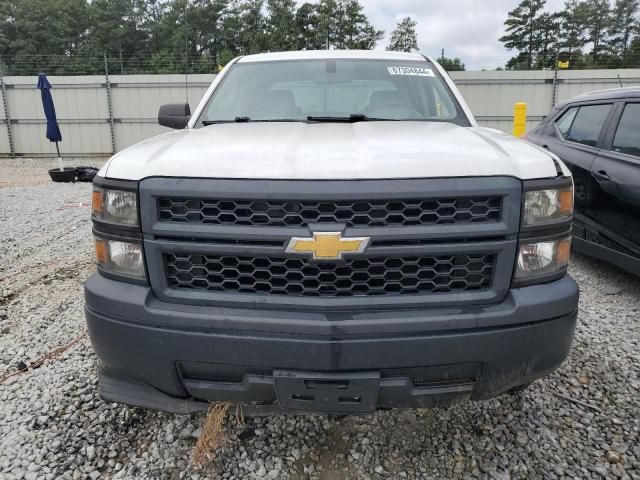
(519, 119)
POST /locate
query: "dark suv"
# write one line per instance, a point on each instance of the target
(597, 135)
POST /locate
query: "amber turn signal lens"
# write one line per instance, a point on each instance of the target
(101, 251)
(563, 251)
(565, 199)
(96, 202)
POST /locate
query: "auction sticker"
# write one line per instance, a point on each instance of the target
(413, 71)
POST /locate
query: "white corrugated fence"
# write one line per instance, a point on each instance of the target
(99, 116)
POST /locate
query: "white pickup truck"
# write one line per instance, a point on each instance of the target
(329, 232)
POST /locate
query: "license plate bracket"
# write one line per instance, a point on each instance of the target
(353, 393)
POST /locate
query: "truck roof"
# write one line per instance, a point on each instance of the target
(322, 54)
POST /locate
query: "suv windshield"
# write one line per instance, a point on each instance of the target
(332, 90)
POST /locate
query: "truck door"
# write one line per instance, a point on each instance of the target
(617, 166)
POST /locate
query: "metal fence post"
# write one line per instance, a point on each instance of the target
(6, 114)
(554, 99)
(110, 106)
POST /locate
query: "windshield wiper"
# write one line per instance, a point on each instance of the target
(248, 119)
(353, 118)
(236, 120)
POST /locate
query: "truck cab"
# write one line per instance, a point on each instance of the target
(329, 232)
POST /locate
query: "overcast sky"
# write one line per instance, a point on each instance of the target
(468, 29)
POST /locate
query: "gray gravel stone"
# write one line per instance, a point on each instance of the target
(53, 425)
(613, 457)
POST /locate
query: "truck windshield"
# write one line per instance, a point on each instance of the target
(332, 90)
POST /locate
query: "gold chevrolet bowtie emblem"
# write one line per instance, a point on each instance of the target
(327, 245)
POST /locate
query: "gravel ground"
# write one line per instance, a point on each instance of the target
(53, 425)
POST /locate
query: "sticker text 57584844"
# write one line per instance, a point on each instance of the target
(413, 71)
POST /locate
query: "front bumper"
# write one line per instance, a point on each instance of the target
(176, 357)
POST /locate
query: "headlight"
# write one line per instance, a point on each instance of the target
(115, 206)
(548, 206)
(119, 257)
(543, 259)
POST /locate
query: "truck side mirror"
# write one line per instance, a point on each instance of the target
(174, 115)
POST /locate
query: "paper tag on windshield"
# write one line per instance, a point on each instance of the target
(413, 71)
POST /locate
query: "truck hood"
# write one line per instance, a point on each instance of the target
(339, 151)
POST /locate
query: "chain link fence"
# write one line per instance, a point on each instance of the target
(79, 64)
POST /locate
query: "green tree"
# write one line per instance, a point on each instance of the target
(523, 31)
(71, 36)
(281, 25)
(208, 22)
(540, 37)
(7, 34)
(327, 11)
(597, 19)
(367, 38)
(353, 28)
(116, 29)
(253, 34)
(572, 37)
(633, 55)
(549, 25)
(175, 44)
(624, 23)
(42, 35)
(451, 64)
(308, 23)
(404, 38)
(342, 24)
(153, 12)
(243, 25)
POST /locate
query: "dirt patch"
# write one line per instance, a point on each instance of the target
(76, 271)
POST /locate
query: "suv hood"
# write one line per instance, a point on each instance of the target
(339, 151)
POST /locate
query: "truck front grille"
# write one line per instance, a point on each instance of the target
(353, 277)
(433, 242)
(359, 213)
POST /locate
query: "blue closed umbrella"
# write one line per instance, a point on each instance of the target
(53, 130)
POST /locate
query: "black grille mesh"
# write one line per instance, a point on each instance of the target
(353, 277)
(361, 213)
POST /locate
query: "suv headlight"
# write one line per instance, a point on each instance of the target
(114, 206)
(547, 206)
